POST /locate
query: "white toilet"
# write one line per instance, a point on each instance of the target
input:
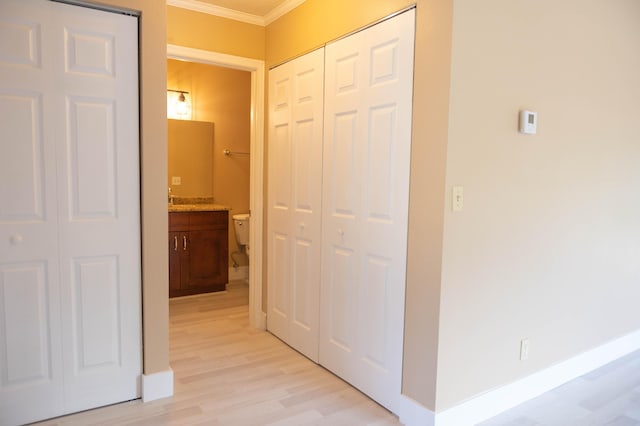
(241, 227)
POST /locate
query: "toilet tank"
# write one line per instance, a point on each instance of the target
(241, 228)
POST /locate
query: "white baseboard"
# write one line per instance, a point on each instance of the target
(412, 413)
(494, 402)
(239, 273)
(157, 385)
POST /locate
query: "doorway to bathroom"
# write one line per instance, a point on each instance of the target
(227, 92)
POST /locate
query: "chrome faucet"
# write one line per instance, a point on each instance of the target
(170, 198)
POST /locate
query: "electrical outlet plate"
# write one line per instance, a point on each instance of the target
(176, 180)
(524, 349)
(457, 198)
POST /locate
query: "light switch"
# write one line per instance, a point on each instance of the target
(176, 180)
(457, 198)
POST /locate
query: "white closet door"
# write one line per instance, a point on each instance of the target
(367, 140)
(70, 322)
(295, 179)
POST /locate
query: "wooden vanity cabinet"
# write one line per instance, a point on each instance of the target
(198, 252)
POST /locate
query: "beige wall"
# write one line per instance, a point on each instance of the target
(315, 22)
(221, 96)
(215, 34)
(426, 198)
(153, 149)
(547, 246)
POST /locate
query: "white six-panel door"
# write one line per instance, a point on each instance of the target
(295, 179)
(368, 83)
(367, 141)
(70, 323)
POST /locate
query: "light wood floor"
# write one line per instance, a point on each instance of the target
(608, 396)
(227, 373)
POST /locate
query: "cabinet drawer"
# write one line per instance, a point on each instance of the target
(178, 221)
(193, 221)
(207, 220)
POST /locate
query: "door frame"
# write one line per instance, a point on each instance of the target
(257, 318)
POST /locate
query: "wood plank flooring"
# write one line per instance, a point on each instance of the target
(608, 396)
(227, 373)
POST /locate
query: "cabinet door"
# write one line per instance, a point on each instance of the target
(203, 254)
(174, 261)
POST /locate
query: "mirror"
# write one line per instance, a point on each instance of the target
(191, 158)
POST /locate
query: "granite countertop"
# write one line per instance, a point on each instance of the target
(197, 208)
(195, 204)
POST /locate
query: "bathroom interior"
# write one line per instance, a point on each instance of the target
(208, 111)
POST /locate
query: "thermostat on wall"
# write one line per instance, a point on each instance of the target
(528, 122)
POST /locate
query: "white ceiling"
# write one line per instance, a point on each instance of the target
(258, 12)
(253, 7)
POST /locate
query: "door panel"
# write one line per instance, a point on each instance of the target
(98, 208)
(303, 266)
(342, 291)
(89, 52)
(70, 233)
(24, 320)
(368, 92)
(380, 165)
(21, 120)
(91, 158)
(30, 359)
(343, 164)
(280, 262)
(295, 170)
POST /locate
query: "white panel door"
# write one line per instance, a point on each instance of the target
(367, 140)
(70, 322)
(295, 179)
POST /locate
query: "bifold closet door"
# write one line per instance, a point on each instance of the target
(367, 141)
(70, 306)
(294, 199)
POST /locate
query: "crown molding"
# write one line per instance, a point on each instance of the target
(223, 12)
(281, 10)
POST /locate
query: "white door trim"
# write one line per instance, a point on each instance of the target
(257, 317)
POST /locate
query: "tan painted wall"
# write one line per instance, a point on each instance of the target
(426, 198)
(153, 149)
(221, 96)
(547, 246)
(315, 22)
(215, 34)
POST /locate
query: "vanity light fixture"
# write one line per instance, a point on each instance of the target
(178, 105)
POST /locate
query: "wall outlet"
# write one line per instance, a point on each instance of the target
(457, 198)
(524, 349)
(176, 180)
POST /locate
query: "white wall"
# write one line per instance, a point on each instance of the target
(548, 244)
